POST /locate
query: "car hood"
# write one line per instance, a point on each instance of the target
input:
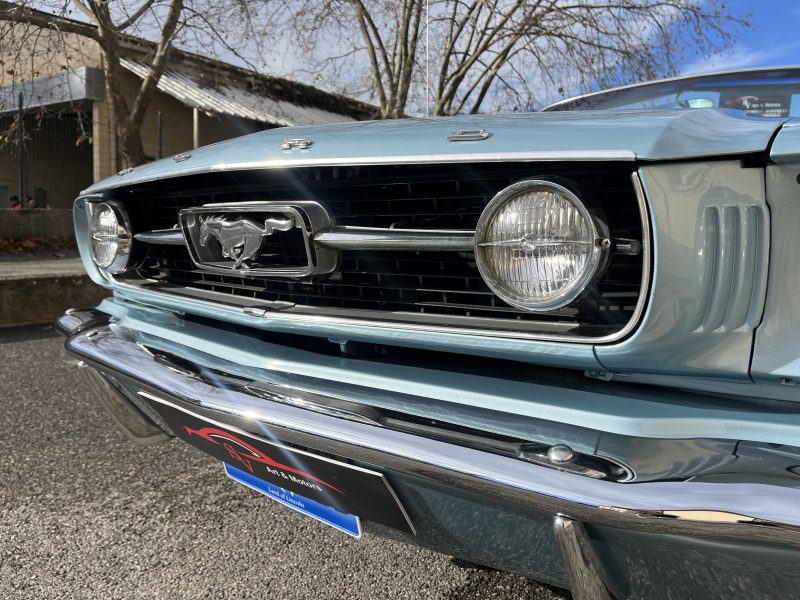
(563, 136)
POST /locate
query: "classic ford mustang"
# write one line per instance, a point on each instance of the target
(562, 344)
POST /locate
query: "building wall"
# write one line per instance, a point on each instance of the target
(62, 159)
(177, 124)
(57, 165)
(28, 52)
(59, 153)
(177, 128)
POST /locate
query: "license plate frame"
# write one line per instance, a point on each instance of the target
(348, 489)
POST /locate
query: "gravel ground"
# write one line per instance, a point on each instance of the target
(85, 513)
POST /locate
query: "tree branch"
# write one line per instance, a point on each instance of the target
(140, 12)
(18, 14)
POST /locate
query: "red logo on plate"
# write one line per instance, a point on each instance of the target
(244, 453)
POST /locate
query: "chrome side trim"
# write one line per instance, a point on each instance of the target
(584, 569)
(754, 512)
(375, 238)
(166, 237)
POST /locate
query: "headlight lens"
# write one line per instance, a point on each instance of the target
(537, 246)
(111, 237)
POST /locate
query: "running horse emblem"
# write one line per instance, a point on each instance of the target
(240, 240)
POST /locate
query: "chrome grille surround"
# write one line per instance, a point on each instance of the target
(292, 253)
(417, 297)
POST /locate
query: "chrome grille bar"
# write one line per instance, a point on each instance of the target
(376, 238)
(379, 238)
(355, 238)
(167, 237)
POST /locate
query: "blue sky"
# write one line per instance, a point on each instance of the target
(773, 40)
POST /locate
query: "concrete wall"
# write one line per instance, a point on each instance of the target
(36, 223)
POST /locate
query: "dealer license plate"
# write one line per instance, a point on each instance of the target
(332, 491)
(349, 524)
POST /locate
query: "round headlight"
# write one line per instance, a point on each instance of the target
(111, 237)
(537, 246)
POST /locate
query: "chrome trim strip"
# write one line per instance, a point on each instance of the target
(145, 295)
(767, 513)
(376, 238)
(166, 237)
(354, 161)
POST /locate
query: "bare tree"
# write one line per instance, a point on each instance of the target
(45, 29)
(465, 55)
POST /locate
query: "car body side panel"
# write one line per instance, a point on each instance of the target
(711, 245)
(776, 359)
(786, 146)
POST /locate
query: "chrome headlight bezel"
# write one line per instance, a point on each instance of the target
(596, 262)
(124, 237)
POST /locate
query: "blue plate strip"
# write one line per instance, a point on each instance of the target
(349, 524)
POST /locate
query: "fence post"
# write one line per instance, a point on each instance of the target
(21, 150)
(159, 135)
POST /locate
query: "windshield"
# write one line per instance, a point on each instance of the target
(766, 93)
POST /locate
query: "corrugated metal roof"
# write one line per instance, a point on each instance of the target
(235, 101)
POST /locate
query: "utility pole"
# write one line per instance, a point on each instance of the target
(21, 149)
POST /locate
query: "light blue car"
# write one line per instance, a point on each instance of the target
(562, 344)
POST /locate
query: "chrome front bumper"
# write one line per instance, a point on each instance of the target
(733, 511)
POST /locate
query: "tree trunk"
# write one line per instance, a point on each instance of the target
(130, 144)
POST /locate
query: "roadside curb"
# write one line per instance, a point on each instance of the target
(45, 292)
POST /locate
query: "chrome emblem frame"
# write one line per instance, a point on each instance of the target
(229, 238)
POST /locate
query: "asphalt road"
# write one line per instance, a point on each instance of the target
(85, 513)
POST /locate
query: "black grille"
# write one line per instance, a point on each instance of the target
(440, 287)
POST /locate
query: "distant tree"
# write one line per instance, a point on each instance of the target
(463, 56)
(45, 30)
